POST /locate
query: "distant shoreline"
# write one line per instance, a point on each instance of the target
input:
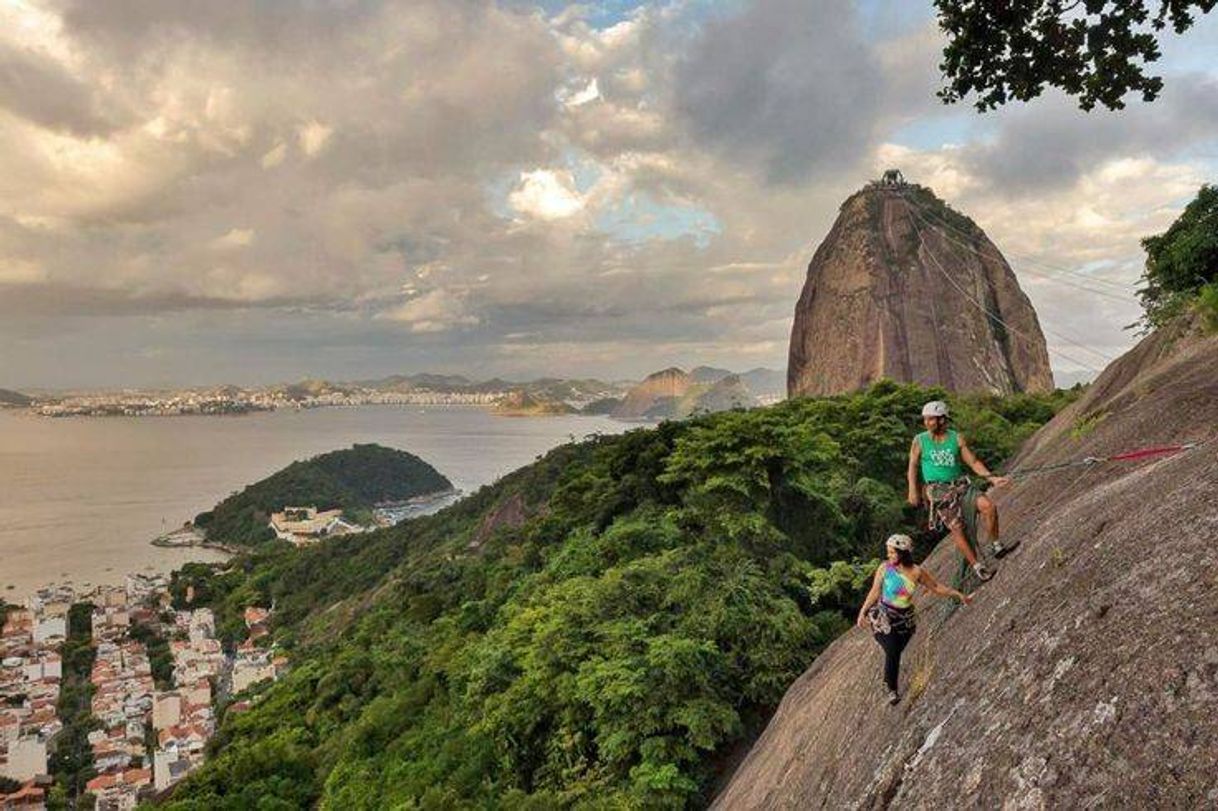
(187, 536)
(235, 414)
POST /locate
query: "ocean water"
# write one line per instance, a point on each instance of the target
(80, 498)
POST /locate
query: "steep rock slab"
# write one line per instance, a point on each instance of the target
(900, 289)
(1085, 675)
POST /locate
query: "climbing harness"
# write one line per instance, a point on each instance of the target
(947, 501)
(885, 619)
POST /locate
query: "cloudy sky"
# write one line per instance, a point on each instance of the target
(260, 190)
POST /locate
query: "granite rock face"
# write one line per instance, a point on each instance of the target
(1085, 674)
(905, 288)
(657, 389)
(724, 394)
(675, 394)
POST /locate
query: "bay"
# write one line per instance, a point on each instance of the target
(81, 498)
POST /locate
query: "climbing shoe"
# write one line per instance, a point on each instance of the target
(1000, 548)
(982, 571)
(894, 698)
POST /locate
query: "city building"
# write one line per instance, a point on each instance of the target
(305, 525)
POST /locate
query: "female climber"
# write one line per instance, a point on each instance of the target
(888, 608)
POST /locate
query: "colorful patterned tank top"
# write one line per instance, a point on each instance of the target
(897, 588)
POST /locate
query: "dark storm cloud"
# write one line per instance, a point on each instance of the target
(788, 85)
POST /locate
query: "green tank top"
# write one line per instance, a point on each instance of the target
(940, 460)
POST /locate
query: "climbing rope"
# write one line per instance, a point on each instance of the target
(1086, 281)
(964, 578)
(1090, 461)
(1032, 341)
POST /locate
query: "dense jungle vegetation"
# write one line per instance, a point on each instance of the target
(353, 480)
(612, 650)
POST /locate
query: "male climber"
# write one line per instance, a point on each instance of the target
(940, 454)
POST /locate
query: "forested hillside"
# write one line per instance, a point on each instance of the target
(353, 480)
(607, 641)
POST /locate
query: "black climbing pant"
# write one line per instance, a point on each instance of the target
(893, 644)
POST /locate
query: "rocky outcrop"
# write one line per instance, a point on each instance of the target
(674, 394)
(1085, 675)
(725, 394)
(522, 404)
(708, 374)
(662, 387)
(512, 512)
(768, 385)
(900, 289)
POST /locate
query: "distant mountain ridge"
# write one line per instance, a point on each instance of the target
(673, 393)
(540, 396)
(14, 399)
(523, 404)
(543, 388)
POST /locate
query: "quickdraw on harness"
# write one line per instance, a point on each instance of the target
(1090, 461)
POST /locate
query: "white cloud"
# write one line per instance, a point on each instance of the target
(274, 156)
(591, 92)
(547, 194)
(437, 310)
(313, 137)
(235, 238)
(20, 271)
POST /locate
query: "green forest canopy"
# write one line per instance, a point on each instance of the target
(666, 588)
(353, 480)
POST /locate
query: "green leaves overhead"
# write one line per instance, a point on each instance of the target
(1097, 51)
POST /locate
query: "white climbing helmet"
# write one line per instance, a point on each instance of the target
(935, 408)
(900, 542)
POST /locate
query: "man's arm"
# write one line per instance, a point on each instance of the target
(970, 459)
(911, 473)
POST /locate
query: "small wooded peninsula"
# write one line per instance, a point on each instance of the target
(354, 480)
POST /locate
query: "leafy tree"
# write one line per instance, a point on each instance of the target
(1094, 50)
(1182, 262)
(72, 761)
(160, 657)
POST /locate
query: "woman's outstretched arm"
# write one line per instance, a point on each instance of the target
(927, 579)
